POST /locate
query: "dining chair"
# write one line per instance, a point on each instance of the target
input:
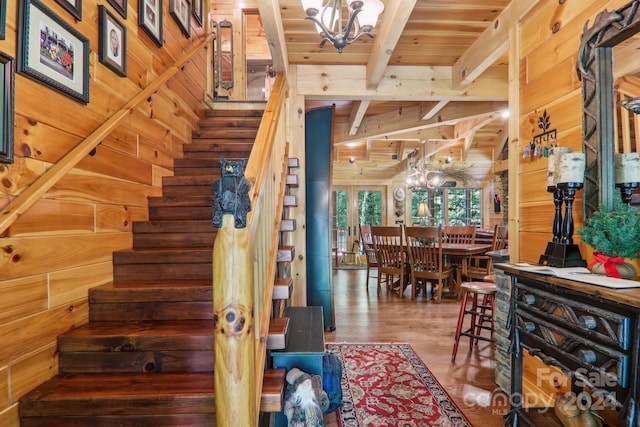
(479, 267)
(459, 233)
(388, 242)
(369, 252)
(426, 260)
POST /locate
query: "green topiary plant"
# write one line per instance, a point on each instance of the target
(614, 232)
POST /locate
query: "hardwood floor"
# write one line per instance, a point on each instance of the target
(362, 316)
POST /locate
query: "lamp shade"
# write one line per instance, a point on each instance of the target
(570, 168)
(368, 17)
(423, 210)
(627, 168)
(311, 6)
(554, 153)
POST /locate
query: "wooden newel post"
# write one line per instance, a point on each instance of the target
(233, 311)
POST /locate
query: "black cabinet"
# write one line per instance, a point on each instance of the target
(589, 332)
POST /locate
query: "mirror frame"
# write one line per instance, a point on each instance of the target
(595, 70)
(226, 27)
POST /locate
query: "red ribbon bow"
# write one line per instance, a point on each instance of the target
(609, 263)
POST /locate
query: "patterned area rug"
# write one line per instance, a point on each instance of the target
(388, 385)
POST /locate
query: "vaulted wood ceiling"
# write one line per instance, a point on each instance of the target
(461, 39)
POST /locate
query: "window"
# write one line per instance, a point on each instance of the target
(453, 206)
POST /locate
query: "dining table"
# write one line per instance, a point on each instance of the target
(464, 251)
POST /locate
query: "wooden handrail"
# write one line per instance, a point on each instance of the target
(44, 183)
(266, 171)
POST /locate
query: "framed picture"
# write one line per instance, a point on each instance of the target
(113, 42)
(52, 52)
(181, 12)
(197, 11)
(150, 19)
(7, 74)
(120, 6)
(74, 7)
(3, 19)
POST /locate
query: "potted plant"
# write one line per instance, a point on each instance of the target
(614, 234)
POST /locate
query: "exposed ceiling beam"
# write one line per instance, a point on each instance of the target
(274, 32)
(405, 120)
(406, 83)
(394, 19)
(503, 134)
(367, 154)
(435, 109)
(468, 139)
(492, 43)
(357, 114)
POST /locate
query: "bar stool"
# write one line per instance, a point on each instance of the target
(480, 312)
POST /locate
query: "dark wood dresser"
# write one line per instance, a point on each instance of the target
(590, 332)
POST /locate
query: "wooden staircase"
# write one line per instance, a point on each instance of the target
(146, 356)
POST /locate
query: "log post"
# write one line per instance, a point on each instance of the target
(233, 302)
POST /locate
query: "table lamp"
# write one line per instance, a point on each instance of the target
(423, 212)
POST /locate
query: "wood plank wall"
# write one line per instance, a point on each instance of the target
(63, 245)
(550, 39)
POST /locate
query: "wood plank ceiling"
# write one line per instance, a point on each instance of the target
(464, 35)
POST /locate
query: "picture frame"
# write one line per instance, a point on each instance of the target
(112, 42)
(150, 19)
(74, 7)
(52, 52)
(196, 7)
(3, 19)
(7, 86)
(120, 6)
(181, 12)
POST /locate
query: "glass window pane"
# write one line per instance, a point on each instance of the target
(370, 207)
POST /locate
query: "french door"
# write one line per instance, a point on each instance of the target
(354, 205)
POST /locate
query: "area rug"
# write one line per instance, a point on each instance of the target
(388, 385)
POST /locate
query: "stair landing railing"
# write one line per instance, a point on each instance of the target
(239, 255)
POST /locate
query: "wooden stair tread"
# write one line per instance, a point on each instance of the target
(273, 387)
(293, 162)
(278, 333)
(136, 394)
(169, 291)
(282, 288)
(288, 225)
(286, 253)
(166, 334)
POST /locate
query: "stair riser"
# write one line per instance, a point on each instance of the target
(162, 272)
(202, 226)
(136, 362)
(174, 293)
(174, 213)
(226, 133)
(109, 405)
(173, 240)
(123, 345)
(228, 122)
(187, 190)
(196, 171)
(151, 311)
(202, 140)
(191, 420)
(226, 152)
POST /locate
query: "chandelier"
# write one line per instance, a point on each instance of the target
(419, 175)
(363, 16)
